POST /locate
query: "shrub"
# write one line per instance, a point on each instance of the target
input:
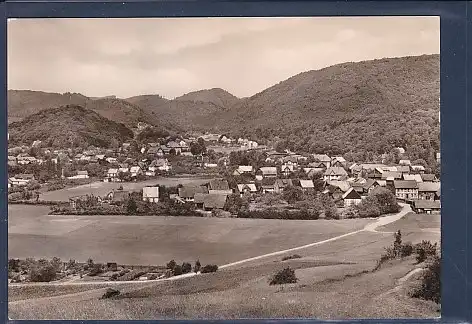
(171, 265)
(96, 269)
(177, 271)
(152, 277)
(186, 267)
(406, 250)
(425, 249)
(430, 288)
(110, 292)
(289, 257)
(197, 266)
(285, 276)
(209, 268)
(42, 273)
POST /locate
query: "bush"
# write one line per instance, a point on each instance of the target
(290, 257)
(197, 266)
(110, 292)
(425, 249)
(406, 250)
(285, 276)
(209, 268)
(95, 269)
(177, 271)
(171, 265)
(42, 273)
(152, 277)
(186, 267)
(430, 288)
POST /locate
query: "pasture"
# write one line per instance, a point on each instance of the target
(99, 188)
(154, 240)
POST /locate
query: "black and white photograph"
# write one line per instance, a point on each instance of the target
(224, 168)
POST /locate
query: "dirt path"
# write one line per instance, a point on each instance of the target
(370, 227)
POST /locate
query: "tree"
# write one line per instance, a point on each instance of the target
(292, 194)
(233, 204)
(186, 267)
(171, 265)
(197, 266)
(285, 276)
(131, 207)
(177, 271)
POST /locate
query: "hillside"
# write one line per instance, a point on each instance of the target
(22, 103)
(343, 107)
(191, 111)
(215, 96)
(68, 126)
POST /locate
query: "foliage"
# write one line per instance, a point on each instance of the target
(171, 265)
(197, 266)
(424, 250)
(198, 147)
(285, 276)
(177, 271)
(131, 207)
(209, 268)
(110, 292)
(96, 269)
(292, 194)
(69, 126)
(430, 288)
(43, 271)
(186, 267)
(380, 201)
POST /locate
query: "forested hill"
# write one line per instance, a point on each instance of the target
(68, 126)
(361, 109)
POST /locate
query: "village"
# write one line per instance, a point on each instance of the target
(238, 168)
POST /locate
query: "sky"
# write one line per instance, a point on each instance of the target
(174, 56)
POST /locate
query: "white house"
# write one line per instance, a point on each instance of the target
(151, 194)
(135, 171)
(80, 175)
(334, 173)
(112, 175)
(351, 198)
(21, 179)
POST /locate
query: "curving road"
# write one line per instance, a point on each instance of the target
(372, 227)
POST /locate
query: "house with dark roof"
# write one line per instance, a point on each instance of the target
(219, 186)
(351, 198)
(428, 190)
(387, 175)
(322, 158)
(214, 201)
(429, 177)
(406, 189)
(117, 196)
(187, 193)
(426, 206)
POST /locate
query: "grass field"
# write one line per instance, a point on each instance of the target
(103, 188)
(155, 240)
(335, 279)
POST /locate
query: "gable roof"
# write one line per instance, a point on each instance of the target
(343, 185)
(191, 191)
(214, 201)
(307, 184)
(250, 186)
(218, 184)
(322, 157)
(351, 194)
(415, 177)
(389, 174)
(427, 204)
(428, 177)
(417, 167)
(403, 168)
(405, 184)
(268, 170)
(335, 171)
(429, 186)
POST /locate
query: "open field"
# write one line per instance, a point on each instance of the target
(335, 279)
(103, 188)
(154, 240)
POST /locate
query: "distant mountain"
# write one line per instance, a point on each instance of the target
(22, 103)
(68, 126)
(215, 96)
(358, 107)
(191, 111)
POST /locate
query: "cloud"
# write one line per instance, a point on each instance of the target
(171, 56)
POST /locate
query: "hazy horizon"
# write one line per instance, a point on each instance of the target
(174, 56)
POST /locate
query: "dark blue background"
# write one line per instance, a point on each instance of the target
(456, 119)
